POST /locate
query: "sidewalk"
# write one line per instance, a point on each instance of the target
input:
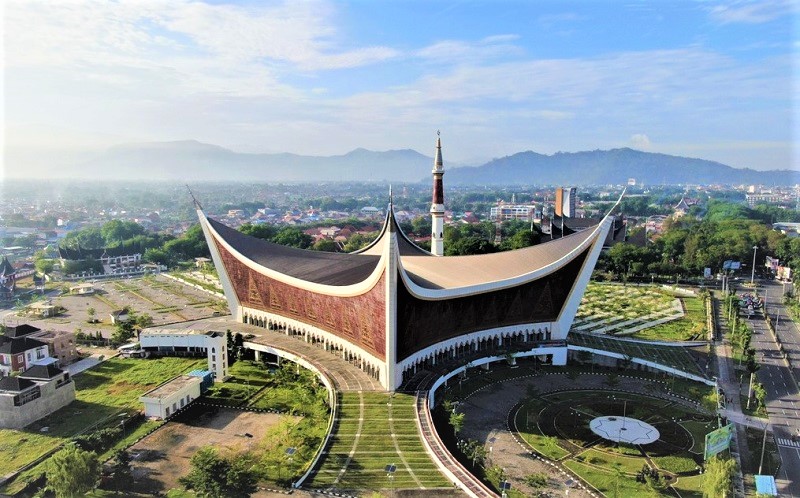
(729, 384)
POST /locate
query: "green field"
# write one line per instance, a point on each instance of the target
(555, 425)
(379, 429)
(102, 393)
(691, 327)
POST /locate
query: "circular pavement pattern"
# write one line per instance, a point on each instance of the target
(624, 430)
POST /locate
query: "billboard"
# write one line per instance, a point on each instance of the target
(718, 440)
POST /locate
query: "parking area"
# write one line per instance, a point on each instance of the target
(164, 299)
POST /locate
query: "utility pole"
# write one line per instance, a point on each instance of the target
(763, 447)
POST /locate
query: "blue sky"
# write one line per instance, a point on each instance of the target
(709, 79)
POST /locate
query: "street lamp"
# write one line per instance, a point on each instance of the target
(753, 271)
(390, 469)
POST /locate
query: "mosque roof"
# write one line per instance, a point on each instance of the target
(421, 268)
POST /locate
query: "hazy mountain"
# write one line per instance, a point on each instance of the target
(614, 166)
(192, 160)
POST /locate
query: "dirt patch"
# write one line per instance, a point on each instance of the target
(164, 456)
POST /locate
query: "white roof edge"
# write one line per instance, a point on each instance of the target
(333, 290)
(436, 294)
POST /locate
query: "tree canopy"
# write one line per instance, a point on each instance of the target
(72, 471)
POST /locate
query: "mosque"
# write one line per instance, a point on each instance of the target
(395, 309)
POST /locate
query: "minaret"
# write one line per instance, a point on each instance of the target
(437, 206)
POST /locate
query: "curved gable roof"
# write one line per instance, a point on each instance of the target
(327, 268)
(465, 271)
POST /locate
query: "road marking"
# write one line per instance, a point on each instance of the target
(788, 442)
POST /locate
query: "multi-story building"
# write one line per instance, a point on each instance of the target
(566, 202)
(17, 354)
(189, 343)
(61, 344)
(512, 212)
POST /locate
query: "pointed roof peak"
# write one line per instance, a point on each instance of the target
(194, 199)
(438, 164)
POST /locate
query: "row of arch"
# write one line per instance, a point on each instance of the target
(338, 347)
(488, 345)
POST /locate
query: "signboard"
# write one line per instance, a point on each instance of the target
(707, 273)
(772, 263)
(718, 440)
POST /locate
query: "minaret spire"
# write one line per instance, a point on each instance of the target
(437, 205)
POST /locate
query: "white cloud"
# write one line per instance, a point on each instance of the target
(640, 141)
(751, 12)
(459, 51)
(98, 33)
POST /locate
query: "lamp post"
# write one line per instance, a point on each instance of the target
(390, 469)
(753, 271)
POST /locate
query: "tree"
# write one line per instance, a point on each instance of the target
(72, 471)
(143, 321)
(44, 266)
(215, 476)
(456, 421)
(325, 245)
(293, 237)
(121, 469)
(261, 230)
(91, 312)
(718, 477)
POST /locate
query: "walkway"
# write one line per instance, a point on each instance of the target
(345, 376)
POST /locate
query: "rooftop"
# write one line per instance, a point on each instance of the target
(171, 387)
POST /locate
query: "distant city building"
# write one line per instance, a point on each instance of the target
(506, 212)
(631, 182)
(763, 198)
(566, 202)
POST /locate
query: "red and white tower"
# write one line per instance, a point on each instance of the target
(437, 206)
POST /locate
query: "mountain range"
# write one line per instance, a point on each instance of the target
(195, 161)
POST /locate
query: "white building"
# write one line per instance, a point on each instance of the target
(171, 396)
(189, 343)
(512, 212)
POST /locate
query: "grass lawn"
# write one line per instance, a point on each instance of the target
(102, 393)
(679, 463)
(388, 436)
(691, 327)
(627, 464)
(608, 481)
(689, 487)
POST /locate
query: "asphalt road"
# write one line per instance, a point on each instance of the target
(783, 399)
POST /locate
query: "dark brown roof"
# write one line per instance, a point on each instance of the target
(41, 372)
(6, 268)
(19, 345)
(15, 384)
(21, 330)
(327, 268)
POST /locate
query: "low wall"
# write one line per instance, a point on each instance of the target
(17, 417)
(326, 381)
